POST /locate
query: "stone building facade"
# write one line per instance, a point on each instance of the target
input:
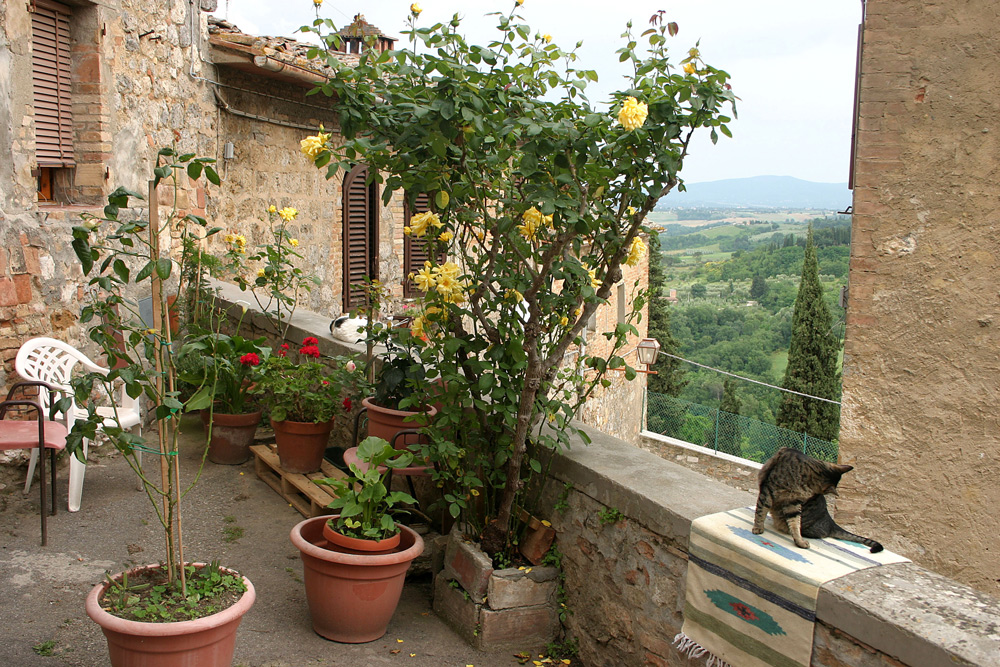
(140, 76)
(921, 365)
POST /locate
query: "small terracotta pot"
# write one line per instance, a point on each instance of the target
(349, 544)
(352, 597)
(385, 423)
(232, 436)
(301, 444)
(202, 642)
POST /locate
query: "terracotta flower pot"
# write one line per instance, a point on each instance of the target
(301, 444)
(232, 436)
(349, 544)
(202, 642)
(352, 597)
(385, 423)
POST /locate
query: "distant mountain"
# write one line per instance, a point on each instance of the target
(760, 192)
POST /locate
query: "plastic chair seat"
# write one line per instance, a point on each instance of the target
(24, 435)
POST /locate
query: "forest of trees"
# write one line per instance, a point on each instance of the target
(714, 323)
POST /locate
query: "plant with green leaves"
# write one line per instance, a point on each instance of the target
(270, 271)
(222, 369)
(538, 198)
(121, 253)
(364, 501)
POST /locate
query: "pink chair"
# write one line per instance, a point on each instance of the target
(35, 434)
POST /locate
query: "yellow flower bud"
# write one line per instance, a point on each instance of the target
(689, 68)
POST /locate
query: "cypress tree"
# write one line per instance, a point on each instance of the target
(670, 375)
(729, 425)
(812, 359)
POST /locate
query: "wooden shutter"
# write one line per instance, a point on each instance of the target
(50, 68)
(360, 235)
(414, 250)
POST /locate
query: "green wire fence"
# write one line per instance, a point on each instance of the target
(728, 433)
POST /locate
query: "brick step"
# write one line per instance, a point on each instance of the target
(299, 490)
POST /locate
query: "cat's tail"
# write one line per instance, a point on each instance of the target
(841, 534)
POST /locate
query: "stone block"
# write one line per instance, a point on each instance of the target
(467, 565)
(457, 609)
(520, 588)
(8, 293)
(22, 286)
(506, 629)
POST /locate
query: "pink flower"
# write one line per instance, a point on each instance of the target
(347, 404)
(250, 359)
(310, 341)
(351, 366)
(310, 351)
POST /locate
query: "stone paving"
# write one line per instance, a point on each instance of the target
(231, 516)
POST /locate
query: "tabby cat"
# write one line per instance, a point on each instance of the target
(793, 487)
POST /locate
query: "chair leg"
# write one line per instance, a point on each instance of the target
(32, 462)
(41, 488)
(52, 461)
(138, 458)
(77, 471)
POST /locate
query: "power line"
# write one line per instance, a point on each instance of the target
(740, 377)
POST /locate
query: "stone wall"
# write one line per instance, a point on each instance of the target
(920, 420)
(625, 578)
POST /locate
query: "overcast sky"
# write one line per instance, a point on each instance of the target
(791, 61)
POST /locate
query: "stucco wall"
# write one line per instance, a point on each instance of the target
(920, 419)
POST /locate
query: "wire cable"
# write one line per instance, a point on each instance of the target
(740, 377)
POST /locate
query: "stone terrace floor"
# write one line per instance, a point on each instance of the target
(43, 598)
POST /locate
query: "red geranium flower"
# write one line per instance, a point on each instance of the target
(284, 346)
(250, 359)
(347, 404)
(281, 353)
(310, 341)
(310, 351)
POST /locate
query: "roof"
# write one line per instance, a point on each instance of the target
(280, 58)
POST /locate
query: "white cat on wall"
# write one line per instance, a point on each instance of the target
(349, 329)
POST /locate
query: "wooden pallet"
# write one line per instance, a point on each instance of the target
(299, 490)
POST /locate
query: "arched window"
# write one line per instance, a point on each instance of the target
(360, 235)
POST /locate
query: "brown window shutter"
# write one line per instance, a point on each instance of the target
(50, 67)
(360, 235)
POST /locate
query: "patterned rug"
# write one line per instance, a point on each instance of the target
(751, 599)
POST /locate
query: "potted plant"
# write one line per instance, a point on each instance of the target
(303, 396)
(399, 400)
(176, 612)
(538, 201)
(222, 370)
(355, 563)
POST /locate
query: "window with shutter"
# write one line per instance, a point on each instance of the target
(50, 67)
(414, 250)
(360, 239)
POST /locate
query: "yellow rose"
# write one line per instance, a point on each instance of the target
(594, 282)
(631, 210)
(514, 294)
(563, 321)
(449, 268)
(293, 242)
(407, 231)
(446, 236)
(260, 273)
(415, 9)
(417, 327)
(424, 278)
(518, 2)
(689, 68)
(288, 213)
(317, 2)
(420, 222)
(272, 209)
(547, 37)
(633, 114)
(635, 251)
(314, 145)
(240, 240)
(229, 238)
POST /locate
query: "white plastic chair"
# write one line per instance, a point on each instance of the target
(50, 360)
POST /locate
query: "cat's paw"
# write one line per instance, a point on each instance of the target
(758, 530)
(801, 544)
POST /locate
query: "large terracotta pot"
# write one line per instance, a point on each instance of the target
(232, 436)
(385, 423)
(352, 597)
(203, 642)
(301, 444)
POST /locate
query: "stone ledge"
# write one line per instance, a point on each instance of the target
(915, 615)
(662, 496)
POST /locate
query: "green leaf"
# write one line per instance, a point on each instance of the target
(212, 175)
(145, 272)
(84, 253)
(163, 266)
(194, 170)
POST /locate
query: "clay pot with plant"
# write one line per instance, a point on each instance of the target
(356, 561)
(222, 369)
(304, 396)
(177, 612)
